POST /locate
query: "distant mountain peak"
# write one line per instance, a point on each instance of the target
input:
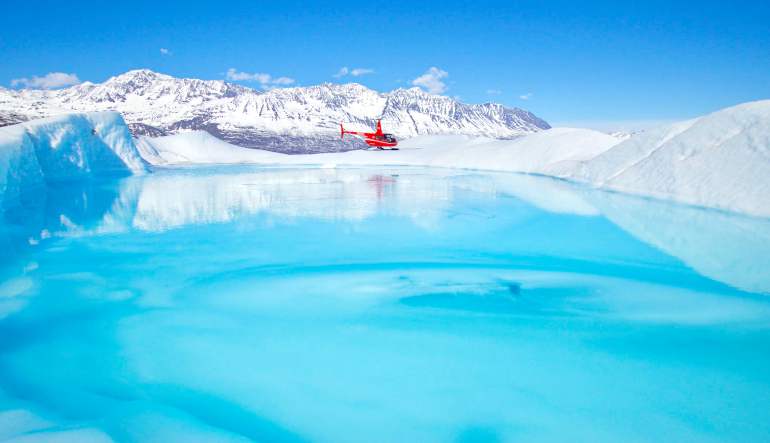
(137, 76)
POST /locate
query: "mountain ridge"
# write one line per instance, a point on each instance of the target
(297, 119)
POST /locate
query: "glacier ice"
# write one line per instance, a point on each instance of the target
(293, 303)
(63, 148)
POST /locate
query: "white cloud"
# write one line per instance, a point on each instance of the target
(494, 91)
(52, 80)
(165, 51)
(431, 81)
(282, 81)
(526, 96)
(361, 71)
(342, 72)
(235, 75)
(265, 80)
(355, 72)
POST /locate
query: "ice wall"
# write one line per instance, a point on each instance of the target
(63, 148)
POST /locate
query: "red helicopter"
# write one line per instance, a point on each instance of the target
(374, 139)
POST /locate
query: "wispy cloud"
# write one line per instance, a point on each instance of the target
(526, 96)
(494, 91)
(282, 81)
(361, 71)
(355, 72)
(432, 81)
(238, 76)
(166, 51)
(265, 80)
(52, 80)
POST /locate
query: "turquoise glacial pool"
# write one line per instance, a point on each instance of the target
(379, 305)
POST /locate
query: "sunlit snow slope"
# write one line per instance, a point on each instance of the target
(536, 153)
(720, 160)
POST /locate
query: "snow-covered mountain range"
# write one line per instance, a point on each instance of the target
(292, 120)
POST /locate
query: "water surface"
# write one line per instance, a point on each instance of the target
(238, 303)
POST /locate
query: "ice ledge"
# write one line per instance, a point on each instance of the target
(65, 147)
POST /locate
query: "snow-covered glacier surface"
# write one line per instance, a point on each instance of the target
(243, 303)
(721, 160)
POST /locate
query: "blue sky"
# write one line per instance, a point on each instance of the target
(592, 63)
